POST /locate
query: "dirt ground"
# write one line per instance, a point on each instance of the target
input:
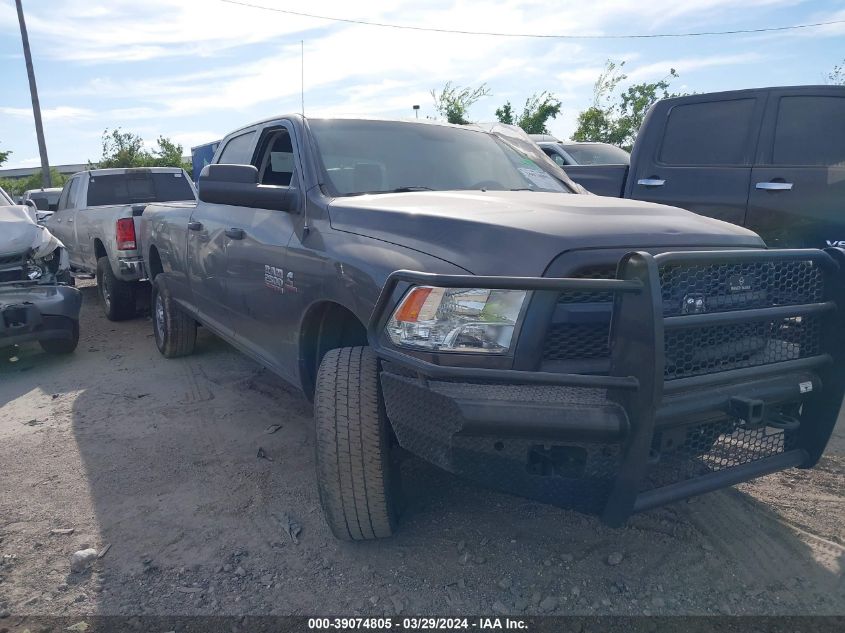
(156, 463)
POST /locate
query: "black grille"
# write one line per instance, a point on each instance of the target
(590, 272)
(726, 287)
(574, 341)
(706, 350)
(683, 453)
(721, 288)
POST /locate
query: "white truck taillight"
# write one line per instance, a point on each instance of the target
(126, 234)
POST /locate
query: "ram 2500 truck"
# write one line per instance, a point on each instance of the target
(447, 292)
(96, 218)
(769, 159)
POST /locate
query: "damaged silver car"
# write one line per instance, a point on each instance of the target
(37, 302)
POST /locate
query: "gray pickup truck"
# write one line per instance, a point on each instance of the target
(96, 218)
(449, 292)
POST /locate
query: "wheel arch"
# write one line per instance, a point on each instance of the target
(326, 325)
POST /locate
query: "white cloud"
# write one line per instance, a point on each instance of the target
(59, 113)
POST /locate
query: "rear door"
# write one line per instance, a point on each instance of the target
(702, 159)
(207, 255)
(259, 285)
(797, 191)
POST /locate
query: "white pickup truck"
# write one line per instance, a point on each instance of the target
(96, 220)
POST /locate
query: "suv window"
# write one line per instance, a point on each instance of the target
(236, 151)
(276, 161)
(810, 131)
(708, 133)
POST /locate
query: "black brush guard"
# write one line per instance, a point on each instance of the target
(697, 378)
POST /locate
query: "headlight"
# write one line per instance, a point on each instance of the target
(456, 319)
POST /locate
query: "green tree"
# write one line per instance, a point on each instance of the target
(453, 102)
(4, 155)
(837, 75)
(539, 108)
(615, 117)
(125, 149)
(16, 186)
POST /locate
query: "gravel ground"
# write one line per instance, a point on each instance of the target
(193, 480)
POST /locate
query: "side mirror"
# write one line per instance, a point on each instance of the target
(237, 185)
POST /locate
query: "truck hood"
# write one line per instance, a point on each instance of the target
(520, 232)
(20, 234)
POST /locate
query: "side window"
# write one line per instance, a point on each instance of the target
(557, 158)
(69, 194)
(275, 161)
(63, 198)
(709, 133)
(236, 151)
(810, 131)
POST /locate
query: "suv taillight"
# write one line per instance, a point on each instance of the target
(126, 234)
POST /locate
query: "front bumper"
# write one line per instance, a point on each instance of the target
(648, 433)
(32, 312)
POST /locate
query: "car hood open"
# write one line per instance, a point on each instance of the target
(520, 232)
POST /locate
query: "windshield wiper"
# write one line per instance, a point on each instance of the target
(397, 190)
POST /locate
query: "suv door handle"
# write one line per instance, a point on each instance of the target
(651, 182)
(235, 234)
(774, 186)
(195, 226)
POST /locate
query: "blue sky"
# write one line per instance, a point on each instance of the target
(193, 70)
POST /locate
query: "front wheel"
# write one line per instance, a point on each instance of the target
(357, 478)
(175, 332)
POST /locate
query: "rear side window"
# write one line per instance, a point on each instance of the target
(138, 187)
(810, 131)
(237, 150)
(70, 199)
(709, 133)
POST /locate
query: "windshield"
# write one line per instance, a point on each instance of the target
(138, 186)
(384, 156)
(598, 154)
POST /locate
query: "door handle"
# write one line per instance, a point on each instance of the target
(235, 234)
(651, 182)
(774, 186)
(70, 220)
(195, 226)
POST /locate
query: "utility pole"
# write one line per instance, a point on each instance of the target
(36, 107)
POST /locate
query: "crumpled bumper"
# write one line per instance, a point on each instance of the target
(33, 312)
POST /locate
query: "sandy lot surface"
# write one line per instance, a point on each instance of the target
(116, 447)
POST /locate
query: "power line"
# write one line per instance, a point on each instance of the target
(534, 35)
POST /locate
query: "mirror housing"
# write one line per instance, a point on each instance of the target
(237, 185)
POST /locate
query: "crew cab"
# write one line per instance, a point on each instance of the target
(769, 159)
(96, 219)
(447, 291)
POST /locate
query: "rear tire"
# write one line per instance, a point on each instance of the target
(62, 345)
(116, 296)
(357, 478)
(175, 332)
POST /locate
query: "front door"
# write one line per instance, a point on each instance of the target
(258, 282)
(208, 241)
(797, 191)
(62, 222)
(703, 160)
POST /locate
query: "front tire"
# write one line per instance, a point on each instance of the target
(357, 478)
(62, 345)
(175, 332)
(116, 296)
